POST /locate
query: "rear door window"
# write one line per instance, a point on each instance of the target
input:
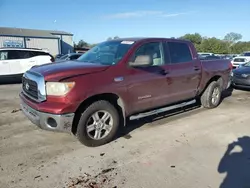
(18, 54)
(37, 53)
(179, 52)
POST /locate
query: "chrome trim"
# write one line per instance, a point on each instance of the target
(64, 121)
(39, 79)
(118, 79)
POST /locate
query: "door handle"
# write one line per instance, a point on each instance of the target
(164, 72)
(5, 62)
(196, 68)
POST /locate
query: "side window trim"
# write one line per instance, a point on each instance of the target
(190, 52)
(167, 57)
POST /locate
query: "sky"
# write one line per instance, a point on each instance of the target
(96, 20)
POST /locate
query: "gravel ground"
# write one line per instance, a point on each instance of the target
(181, 150)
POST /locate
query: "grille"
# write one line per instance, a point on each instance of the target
(30, 88)
(237, 75)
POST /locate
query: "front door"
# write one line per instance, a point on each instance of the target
(147, 85)
(185, 71)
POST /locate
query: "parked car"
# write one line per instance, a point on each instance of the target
(93, 96)
(211, 57)
(241, 76)
(58, 56)
(15, 61)
(246, 54)
(238, 61)
(70, 56)
(204, 54)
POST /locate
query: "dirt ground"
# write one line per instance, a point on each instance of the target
(194, 148)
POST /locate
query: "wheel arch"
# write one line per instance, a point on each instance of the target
(214, 78)
(114, 99)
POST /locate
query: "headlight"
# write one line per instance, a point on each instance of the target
(245, 75)
(59, 88)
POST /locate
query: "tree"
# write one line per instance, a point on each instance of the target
(240, 47)
(74, 45)
(213, 45)
(92, 45)
(232, 37)
(194, 38)
(82, 44)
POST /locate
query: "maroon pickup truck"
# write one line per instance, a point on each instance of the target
(93, 96)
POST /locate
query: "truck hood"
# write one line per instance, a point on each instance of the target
(60, 70)
(242, 70)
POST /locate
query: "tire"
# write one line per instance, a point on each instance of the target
(206, 98)
(87, 137)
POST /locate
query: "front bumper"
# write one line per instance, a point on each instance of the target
(47, 121)
(241, 82)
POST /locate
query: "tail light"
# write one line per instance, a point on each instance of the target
(231, 65)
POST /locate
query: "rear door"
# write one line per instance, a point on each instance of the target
(185, 71)
(147, 85)
(39, 58)
(4, 63)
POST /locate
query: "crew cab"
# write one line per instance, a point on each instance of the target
(93, 96)
(15, 61)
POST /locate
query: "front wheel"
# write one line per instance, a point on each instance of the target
(211, 97)
(98, 124)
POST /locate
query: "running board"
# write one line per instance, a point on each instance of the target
(160, 110)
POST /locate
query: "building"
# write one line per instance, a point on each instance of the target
(56, 42)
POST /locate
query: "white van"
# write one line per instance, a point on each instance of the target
(16, 61)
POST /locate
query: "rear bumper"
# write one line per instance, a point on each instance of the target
(48, 121)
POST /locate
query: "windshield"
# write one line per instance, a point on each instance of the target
(107, 53)
(239, 60)
(247, 64)
(64, 56)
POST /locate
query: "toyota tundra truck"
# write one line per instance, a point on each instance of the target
(93, 96)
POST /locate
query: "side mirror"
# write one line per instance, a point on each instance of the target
(141, 61)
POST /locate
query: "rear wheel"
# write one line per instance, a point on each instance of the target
(98, 124)
(211, 97)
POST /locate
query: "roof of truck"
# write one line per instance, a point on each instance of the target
(146, 38)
